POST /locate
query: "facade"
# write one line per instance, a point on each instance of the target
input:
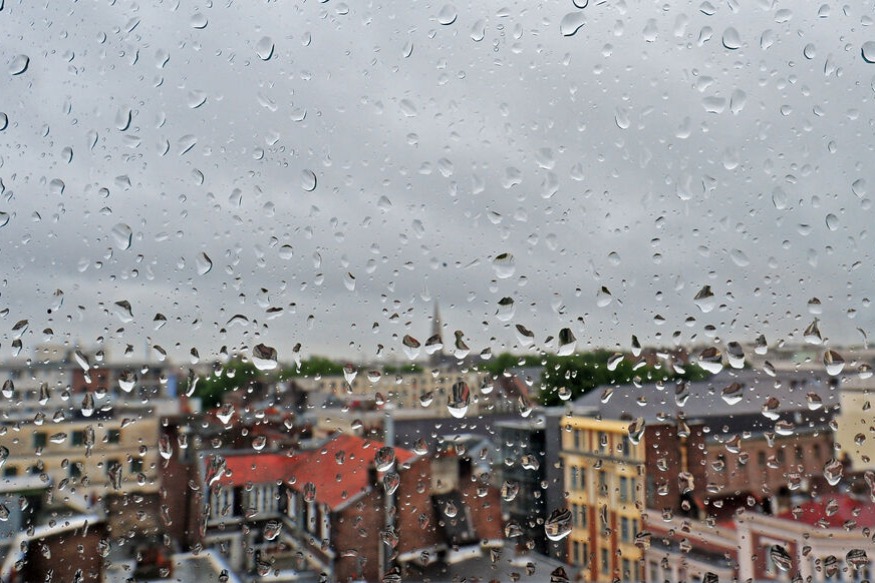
(537, 488)
(325, 509)
(855, 432)
(820, 539)
(604, 478)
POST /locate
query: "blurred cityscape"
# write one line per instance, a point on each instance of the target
(743, 463)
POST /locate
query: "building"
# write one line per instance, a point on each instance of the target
(604, 478)
(325, 509)
(855, 432)
(529, 470)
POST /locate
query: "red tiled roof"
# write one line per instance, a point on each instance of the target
(338, 482)
(846, 508)
(257, 468)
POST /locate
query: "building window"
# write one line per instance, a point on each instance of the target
(136, 465)
(113, 436)
(624, 530)
(624, 489)
(78, 437)
(575, 478)
(10, 471)
(603, 442)
(603, 483)
(39, 439)
(605, 563)
(75, 469)
(761, 459)
(798, 454)
(221, 503)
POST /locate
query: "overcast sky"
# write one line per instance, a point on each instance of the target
(663, 147)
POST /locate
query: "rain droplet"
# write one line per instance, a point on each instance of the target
(558, 526)
(264, 48)
(309, 492)
(123, 236)
(868, 51)
(264, 357)
(636, 430)
(832, 471)
(384, 459)
(19, 64)
(711, 359)
(272, 529)
(812, 333)
(308, 180)
(571, 23)
(705, 299)
(259, 442)
(567, 342)
(4, 121)
(478, 31)
(603, 297)
(459, 399)
(833, 362)
(731, 39)
(504, 265)
(448, 15)
(204, 263)
(199, 21)
(505, 309)
(411, 346)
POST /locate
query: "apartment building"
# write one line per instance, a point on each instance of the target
(604, 479)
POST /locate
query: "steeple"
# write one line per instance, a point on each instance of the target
(436, 338)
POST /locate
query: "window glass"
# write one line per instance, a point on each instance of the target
(325, 290)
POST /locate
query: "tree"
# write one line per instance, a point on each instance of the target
(236, 374)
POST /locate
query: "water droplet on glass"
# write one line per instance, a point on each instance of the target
(571, 23)
(735, 355)
(832, 471)
(731, 39)
(868, 51)
(733, 394)
(705, 299)
(165, 449)
(309, 492)
(204, 263)
(4, 121)
(504, 265)
(711, 359)
(308, 180)
(272, 529)
(391, 481)
(567, 342)
(259, 443)
(558, 525)
(447, 15)
(636, 430)
(509, 490)
(19, 64)
(832, 222)
(614, 361)
(478, 31)
(123, 236)
(857, 559)
(264, 48)
(411, 346)
(407, 49)
(812, 333)
(505, 310)
(199, 21)
(603, 297)
(459, 399)
(833, 362)
(264, 357)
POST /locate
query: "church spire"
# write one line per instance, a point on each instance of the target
(436, 338)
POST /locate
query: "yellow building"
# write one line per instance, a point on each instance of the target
(604, 478)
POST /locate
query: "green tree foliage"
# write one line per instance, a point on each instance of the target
(581, 373)
(315, 365)
(235, 374)
(506, 361)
